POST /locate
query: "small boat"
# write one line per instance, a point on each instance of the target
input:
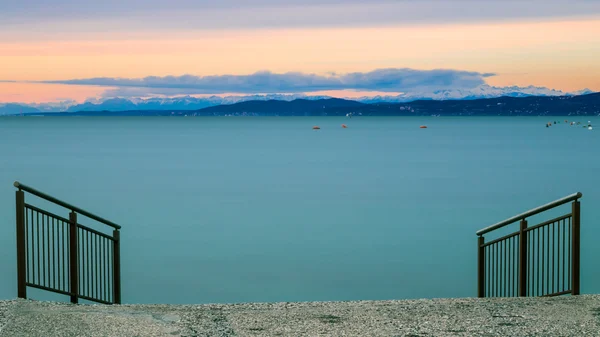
(344, 126)
(316, 127)
(423, 126)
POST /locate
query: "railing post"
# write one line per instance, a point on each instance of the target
(73, 258)
(117, 267)
(575, 290)
(21, 251)
(523, 259)
(480, 267)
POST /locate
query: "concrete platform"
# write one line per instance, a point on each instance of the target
(561, 316)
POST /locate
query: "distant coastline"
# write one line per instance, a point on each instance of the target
(581, 105)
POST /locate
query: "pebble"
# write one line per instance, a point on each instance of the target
(558, 316)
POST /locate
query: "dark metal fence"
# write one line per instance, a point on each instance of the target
(60, 255)
(541, 260)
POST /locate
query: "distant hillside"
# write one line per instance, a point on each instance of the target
(15, 109)
(582, 105)
(298, 107)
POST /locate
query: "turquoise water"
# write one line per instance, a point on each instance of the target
(266, 209)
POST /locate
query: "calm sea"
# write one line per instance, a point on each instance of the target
(266, 209)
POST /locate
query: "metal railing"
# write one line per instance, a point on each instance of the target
(60, 255)
(541, 260)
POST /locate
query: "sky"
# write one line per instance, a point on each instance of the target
(67, 50)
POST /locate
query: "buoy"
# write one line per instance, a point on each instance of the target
(316, 128)
(423, 126)
(344, 126)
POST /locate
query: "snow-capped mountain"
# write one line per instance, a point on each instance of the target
(174, 103)
(483, 91)
(195, 103)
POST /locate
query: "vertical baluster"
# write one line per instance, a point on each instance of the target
(569, 254)
(25, 213)
(543, 229)
(576, 247)
(96, 276)
(93, 267)
(83, 261)
(82, 265)
(106, 256)
(102, 268)
(496, 269)
(88, 266)
(62, 259)
(553, 253)
(558, 285)
(43, 262)
(547, 260)
(49, 250)
(44, 249)
(61, 255)
(492, 268)
(67, 255)
(500, 269)
(53, 256)
(21, 244)
(523, 258)
(532, 264)
(505, 277)
(510, 266)
(564, 248)
(117, 266)
(488, 284)
(529, 282)
(38, 249)
(80, 259)
(515, 264)
(31, 248)
(73, 258)
(538, 259)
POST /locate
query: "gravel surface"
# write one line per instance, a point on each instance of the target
(4, 305)
(560, 316)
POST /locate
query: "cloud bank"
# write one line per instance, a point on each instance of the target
(384, 80)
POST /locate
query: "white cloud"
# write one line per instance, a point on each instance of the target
(386, 80)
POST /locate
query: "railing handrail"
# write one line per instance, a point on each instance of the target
(65, 205)
(531, 212)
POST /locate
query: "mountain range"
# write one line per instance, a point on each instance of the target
(581, 105)
(196, 103)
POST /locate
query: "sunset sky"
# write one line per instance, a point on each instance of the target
(74, 50)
